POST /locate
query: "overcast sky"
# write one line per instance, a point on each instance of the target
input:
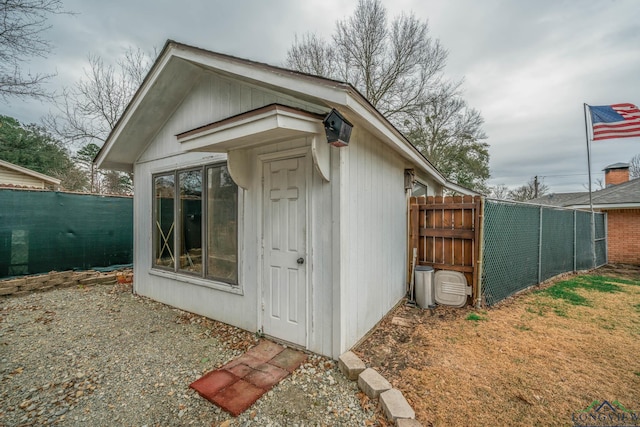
(528, 65)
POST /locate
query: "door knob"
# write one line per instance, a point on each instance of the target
(300, 261)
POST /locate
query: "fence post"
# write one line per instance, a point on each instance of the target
(605, 224)
(413, 235)
(540, 246)
(593, 239)
(575, 241)
(479, 247)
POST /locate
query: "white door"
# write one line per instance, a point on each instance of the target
(284, 292)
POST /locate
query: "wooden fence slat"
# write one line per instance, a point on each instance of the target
(461, 268)
(438, 206)
(447, 232)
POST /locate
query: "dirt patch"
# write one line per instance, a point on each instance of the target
(535, 359)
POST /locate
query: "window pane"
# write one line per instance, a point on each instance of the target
(164, 225)
(222, 229)
(190, 220)
(419, 190)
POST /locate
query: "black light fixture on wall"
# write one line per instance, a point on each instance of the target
(337, 128)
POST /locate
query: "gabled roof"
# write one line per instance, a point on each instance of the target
(29, 172)
(179, 66)
(625, 195)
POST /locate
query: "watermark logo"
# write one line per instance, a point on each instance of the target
(609, 414)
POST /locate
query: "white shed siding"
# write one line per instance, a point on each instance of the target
(320, 262)
(212, 99)
(215, 98)
(8, 176)
(375, 232)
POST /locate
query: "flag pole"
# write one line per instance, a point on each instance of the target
(586, 130)
(593, 222)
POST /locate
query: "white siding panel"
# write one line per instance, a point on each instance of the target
(375, 227)
(340, 250)
(321, 338)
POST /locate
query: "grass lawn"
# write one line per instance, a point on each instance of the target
(536, 359)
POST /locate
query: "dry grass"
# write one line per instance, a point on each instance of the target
(533, 360)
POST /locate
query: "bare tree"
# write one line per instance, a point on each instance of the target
(313, 55)
(532, 189)
(398, 67)
(634, 167)
(393, 66)
(87, 111)
(500, 192)
(22, 27)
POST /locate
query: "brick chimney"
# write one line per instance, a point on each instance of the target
(616, 174)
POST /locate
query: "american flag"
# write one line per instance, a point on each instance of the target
(615, 121)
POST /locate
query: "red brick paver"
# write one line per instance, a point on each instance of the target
(237, 385)
(238, 397)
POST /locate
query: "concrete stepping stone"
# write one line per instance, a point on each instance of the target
(372, 383)
(407, 422)
(395, 406)
(350, 365)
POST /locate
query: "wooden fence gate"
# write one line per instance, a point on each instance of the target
(446, 232)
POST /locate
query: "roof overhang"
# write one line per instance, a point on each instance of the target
(265, 125)
(270, 124)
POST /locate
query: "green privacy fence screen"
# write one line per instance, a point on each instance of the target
(527, 244)
(41, 231)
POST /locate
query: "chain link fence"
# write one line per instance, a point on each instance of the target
(527, 244)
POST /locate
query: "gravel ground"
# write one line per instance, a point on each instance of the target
(102, 356)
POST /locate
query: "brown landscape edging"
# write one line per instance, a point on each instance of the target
(54, 280)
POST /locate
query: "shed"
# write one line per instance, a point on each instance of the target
(245, 214)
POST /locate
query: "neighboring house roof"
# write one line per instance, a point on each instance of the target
(556, 199)
(625, 195)
(178, 67)
(19, 170)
